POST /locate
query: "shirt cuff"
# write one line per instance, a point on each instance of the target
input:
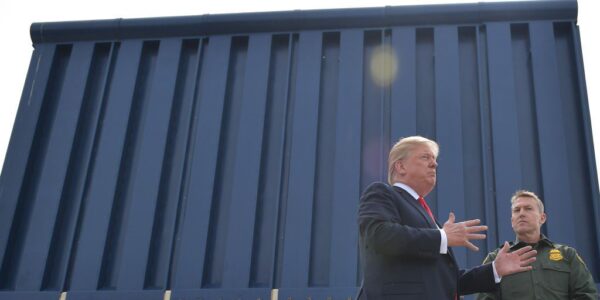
(497, 277)
(444, 244)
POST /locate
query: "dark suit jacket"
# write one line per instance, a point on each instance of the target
(400, 252)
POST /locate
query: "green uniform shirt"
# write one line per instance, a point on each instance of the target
(558, 273)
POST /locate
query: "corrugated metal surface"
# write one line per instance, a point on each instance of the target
(222, 157)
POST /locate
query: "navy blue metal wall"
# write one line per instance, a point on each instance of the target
(222, 157)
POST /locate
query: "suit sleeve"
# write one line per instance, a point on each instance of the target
(383, 229)
(489, 295)
(478, 279)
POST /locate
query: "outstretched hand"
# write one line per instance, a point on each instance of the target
(514, 262)
(461, 234)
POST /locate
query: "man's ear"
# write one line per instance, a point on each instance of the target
(543, 218)
(399, 168)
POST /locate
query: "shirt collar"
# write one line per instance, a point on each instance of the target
(407, 189)
(543, 241)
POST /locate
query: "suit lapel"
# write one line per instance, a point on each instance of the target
(404, 195)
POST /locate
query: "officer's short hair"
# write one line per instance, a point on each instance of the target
(404, 147)
(525, 193)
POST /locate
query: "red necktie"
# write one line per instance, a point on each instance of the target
(426, 207)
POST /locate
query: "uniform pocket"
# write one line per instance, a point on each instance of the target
(556, 276)
(517, 286)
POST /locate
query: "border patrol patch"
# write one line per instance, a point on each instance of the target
(555, 255)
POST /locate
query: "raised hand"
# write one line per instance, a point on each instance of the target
(461, 234)
(514, 262)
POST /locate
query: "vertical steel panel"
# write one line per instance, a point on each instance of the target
(425, 75)
(591, 172)
(404, 88)
(240, 231)
(174, 166)
(374, 114)
(322, 210)
(114, 254)
(146, 175)
(94, 235)
(451, 193)
(489, 213)
(219, 225)
(17, 157)
(64, 236)
(205, 148)
(267, 248)
(578, 159)
(471, 126)
(549, 114)
(296, 246)
(504, 123)
(346, 177)
(53, 170)
(526, 107)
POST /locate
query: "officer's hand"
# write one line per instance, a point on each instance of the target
(460, 234)
(514, 262)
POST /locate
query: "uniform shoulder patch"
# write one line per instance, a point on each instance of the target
(579, 258)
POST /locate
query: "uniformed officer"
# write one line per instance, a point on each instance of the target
(558, 272)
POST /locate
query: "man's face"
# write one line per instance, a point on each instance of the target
(526, 216)
(418, 169)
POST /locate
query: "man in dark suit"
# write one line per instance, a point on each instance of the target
(404, 252)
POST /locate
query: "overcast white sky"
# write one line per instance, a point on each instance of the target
(17, 15)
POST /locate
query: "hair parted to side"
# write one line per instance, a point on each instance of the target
(528, 194)
(403, 148)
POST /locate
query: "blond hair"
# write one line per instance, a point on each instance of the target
(527, 194)
(404, 147)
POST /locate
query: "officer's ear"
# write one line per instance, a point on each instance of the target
(543, 219)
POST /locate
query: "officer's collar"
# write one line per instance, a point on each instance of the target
(520, 244)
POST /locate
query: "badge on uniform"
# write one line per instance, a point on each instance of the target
(555, 255)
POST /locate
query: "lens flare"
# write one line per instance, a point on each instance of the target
(383, 65)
